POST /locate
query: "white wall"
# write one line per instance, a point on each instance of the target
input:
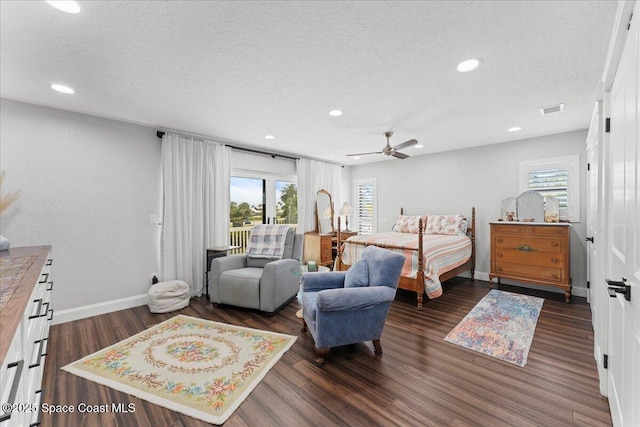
(88, 186)
(454, 181)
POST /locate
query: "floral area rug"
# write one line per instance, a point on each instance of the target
(197, 367)
(501, 325)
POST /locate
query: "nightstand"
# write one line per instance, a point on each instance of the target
(210, 255)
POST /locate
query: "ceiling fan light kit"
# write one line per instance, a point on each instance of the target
(388, 150)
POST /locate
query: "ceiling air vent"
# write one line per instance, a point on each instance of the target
(558, 108)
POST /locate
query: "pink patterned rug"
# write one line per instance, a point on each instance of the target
(501, 325)
(200, 368)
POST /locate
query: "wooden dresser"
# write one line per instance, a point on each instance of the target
(322, 247)
(24, 321)
(536, 253)
(317, 247)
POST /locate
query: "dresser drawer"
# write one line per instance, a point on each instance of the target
(545, 230)
(542, 259)
(507, 228)
(529, 244)
(532, 273)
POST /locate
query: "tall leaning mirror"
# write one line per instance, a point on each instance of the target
(324, 212)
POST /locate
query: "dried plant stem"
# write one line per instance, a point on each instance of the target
(7, 200)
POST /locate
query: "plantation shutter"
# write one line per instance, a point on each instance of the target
(551, 182)
(558, 177)
(365, 194)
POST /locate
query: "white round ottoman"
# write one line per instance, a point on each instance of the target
(169, 296)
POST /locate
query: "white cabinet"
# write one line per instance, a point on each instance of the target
(25, 321)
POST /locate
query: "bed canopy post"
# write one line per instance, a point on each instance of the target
(338, 261)
(420, 273)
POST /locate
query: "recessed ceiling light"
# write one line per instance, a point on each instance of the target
(418, 146)
(66, 6)
(269, 137)
(356, 157)
(335, 113)
(62, 88)
(468, 65)
(514, 129)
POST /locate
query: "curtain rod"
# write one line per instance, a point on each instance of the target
(160, 134)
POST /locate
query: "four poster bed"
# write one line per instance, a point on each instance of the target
(436, 248)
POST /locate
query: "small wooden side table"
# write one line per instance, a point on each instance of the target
(212, 253)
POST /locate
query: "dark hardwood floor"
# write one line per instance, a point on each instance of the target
(419, 380)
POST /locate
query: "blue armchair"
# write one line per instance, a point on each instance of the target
(341, 308)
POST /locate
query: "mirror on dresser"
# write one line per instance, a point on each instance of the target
(530, 205)
(318, 243)
(324, 212)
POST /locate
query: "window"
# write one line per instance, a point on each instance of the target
(366, 212)
(286, 202)
(558, 177)
(260, 199)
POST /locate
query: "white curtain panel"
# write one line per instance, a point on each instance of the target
(195, 178)
(314, 175)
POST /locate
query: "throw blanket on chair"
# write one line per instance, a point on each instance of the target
(267, 241)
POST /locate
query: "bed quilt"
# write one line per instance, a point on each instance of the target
(441, 253)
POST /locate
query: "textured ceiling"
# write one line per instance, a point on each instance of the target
(237, 71)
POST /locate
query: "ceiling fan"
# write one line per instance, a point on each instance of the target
(391, 151)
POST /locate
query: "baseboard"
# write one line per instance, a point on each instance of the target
(577, 291)
(64, 316)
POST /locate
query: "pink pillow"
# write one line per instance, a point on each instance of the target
(451, 225)
(409, 224)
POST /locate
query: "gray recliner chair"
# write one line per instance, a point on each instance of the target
(258, 283)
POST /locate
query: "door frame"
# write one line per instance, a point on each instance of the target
(601, 314)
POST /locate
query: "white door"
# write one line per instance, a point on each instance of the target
(593, 140)
(624, 242)
(596, 243)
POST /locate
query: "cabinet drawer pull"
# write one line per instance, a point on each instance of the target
(499, 254)
(50, 314)
(554, 259)
(41, 352)
(46, 278)
(39, 419)
(555, 276)
(49, 262)
(554, 244)
(50, 286)
(498, 268)
(14, 387)
(46, 309)
(39, 301)
(499, 240)
(526, 248)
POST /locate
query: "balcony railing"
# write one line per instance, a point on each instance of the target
(239, 236)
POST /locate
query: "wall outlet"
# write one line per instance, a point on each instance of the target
(154, 278)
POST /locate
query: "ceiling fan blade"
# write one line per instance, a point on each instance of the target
(364, 154)
(399, 155)
(405, 144)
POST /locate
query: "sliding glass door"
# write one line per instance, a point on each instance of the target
(260, 199)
